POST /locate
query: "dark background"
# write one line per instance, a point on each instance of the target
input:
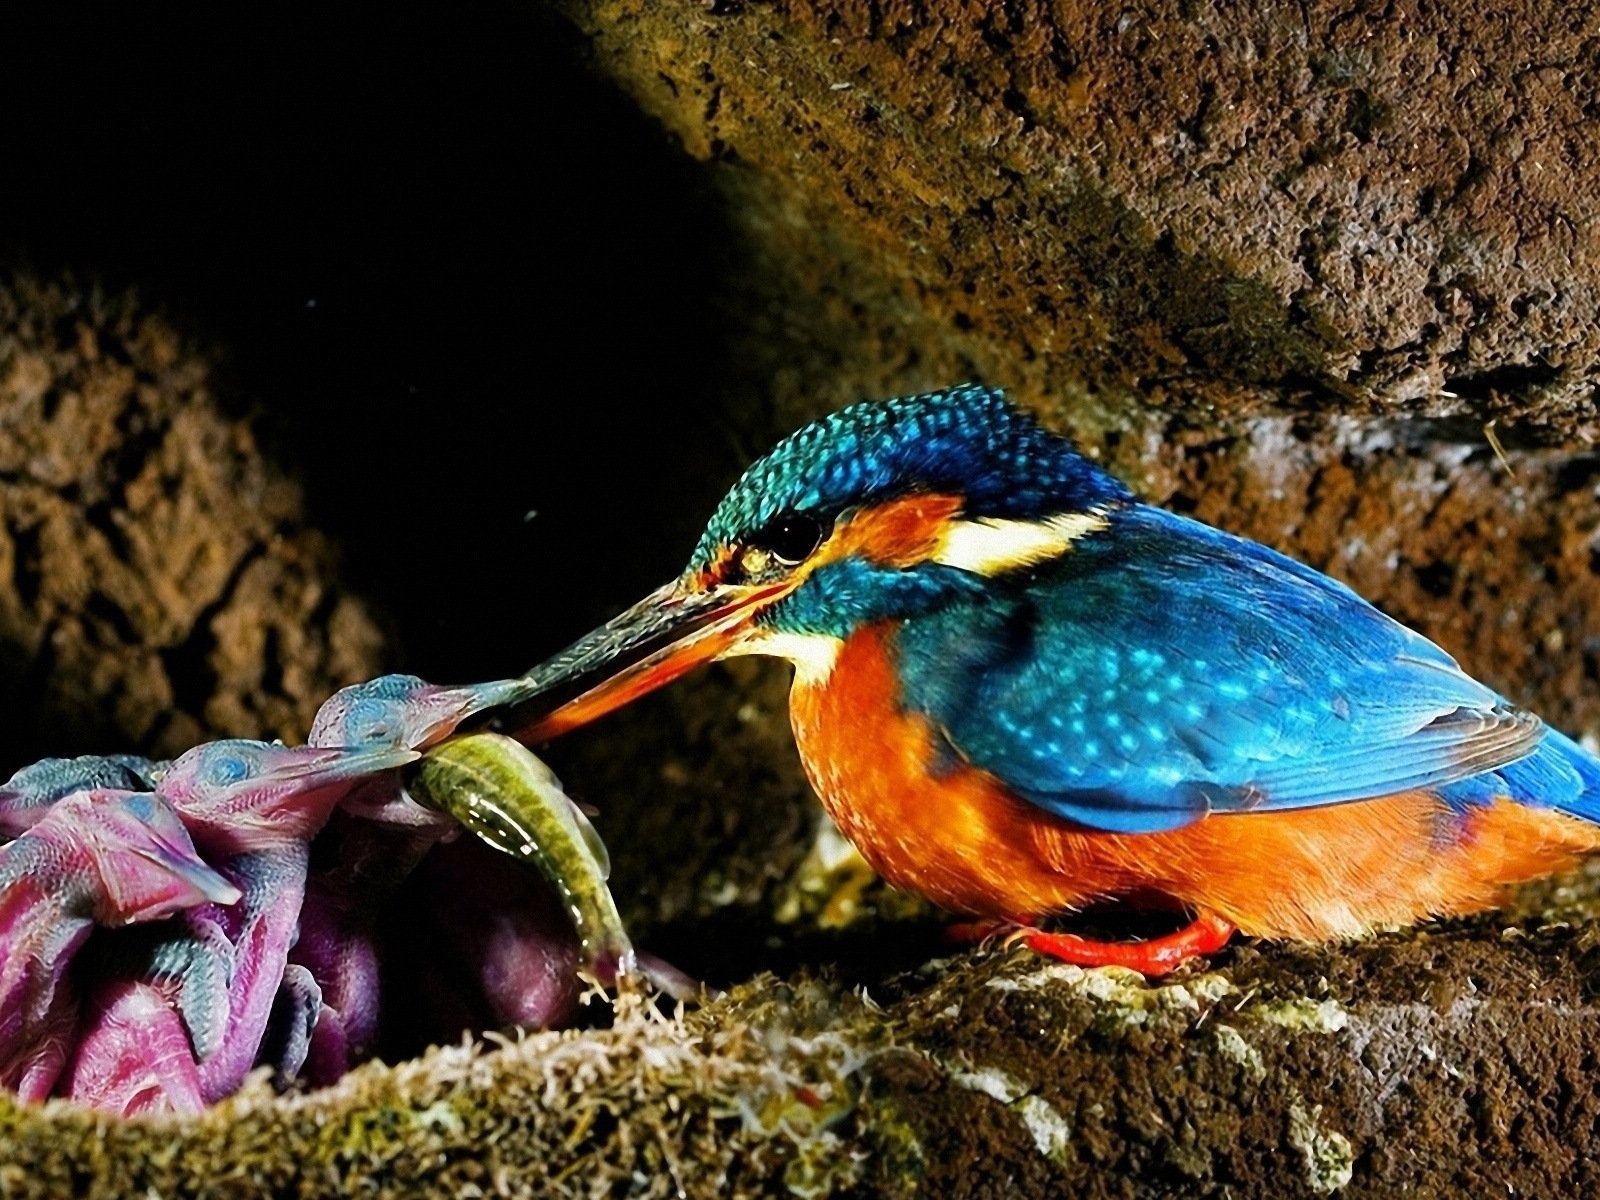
(461, 280)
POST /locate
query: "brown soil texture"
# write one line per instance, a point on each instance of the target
(158, 585)
(1383, 207)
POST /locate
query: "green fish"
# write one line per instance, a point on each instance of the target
(499, 790)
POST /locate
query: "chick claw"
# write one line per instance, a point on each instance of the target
(295, 1015)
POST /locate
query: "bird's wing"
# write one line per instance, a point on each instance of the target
(1167, 670)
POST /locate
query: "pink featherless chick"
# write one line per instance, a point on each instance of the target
(104, 858)
(380, 837)
(254, 807)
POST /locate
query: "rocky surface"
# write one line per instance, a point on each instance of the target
(1281, 266)
(158, 584)
(1222, 206)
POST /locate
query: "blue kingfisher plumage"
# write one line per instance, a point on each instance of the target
(1020, 690)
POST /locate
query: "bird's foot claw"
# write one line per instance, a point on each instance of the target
(1206, 934)
(296, 1010)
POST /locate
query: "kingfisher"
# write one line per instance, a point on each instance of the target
(1020, 691)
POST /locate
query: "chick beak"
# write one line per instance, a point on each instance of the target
(207, 884)
(317, 767)
(669, 633)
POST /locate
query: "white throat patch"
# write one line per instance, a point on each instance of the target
(993, 546)
(813, 654)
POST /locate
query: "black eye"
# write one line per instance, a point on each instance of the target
(789, 538)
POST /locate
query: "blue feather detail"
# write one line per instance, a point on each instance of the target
(1162, 670)
(1560, 774)
(967, 441)
(841, 596)
(1584, 802)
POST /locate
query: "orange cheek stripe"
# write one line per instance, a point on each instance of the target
(900, 533)
(714, 573)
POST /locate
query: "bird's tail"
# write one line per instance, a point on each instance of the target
(1561, 774)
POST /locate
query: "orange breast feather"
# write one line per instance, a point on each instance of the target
(952, 833)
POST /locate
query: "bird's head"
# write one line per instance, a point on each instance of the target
(877, 512)
(237, 795)
(138, 861)
(397, 710)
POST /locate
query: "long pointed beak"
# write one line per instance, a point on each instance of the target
(308, 771)
(312, 766)
(456, 706)
(188, 867)
(666, 635)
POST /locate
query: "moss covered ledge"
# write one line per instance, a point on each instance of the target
(1457, 1060)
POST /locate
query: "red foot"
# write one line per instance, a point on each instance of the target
(1206, 934)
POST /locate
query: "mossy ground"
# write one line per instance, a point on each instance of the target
(1281, 1071)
